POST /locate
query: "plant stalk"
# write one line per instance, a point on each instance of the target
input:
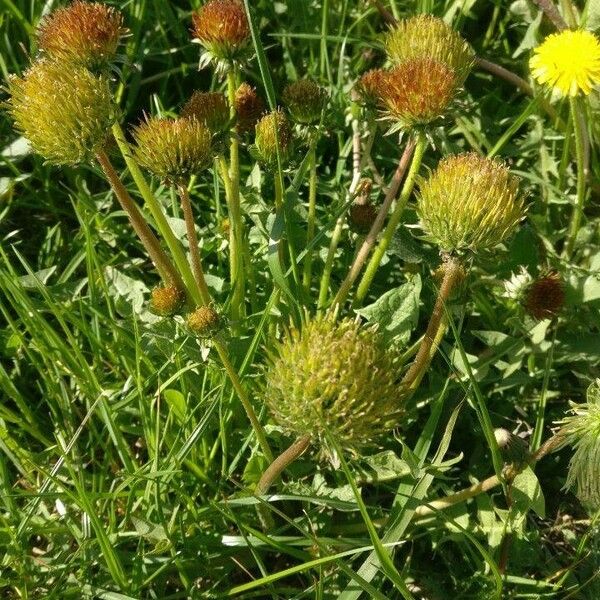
(312, 207)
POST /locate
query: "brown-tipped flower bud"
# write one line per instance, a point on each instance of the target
(204, 322)
(249, 107)
(83, 32)
(426, 36)
(65, 112)
(470, 203)
(222, 28)
(334, 378)
(166, 301)
(305, 100)
(209, 108)
(544, 297)
(370, 86)
(173, 149)
(417, 92)
(362, 217)
(273, 132)
(514, 450)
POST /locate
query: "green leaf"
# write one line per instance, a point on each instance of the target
(396, 312)
(386, 466)
(527, 493)
(176, 401)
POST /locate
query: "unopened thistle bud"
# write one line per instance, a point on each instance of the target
(417, 92)
(426, 36)
(362, 217)
(86, 33)
(172, 149)
(305, 100)
(582, 432)
(249, 107)
(544, 297)
(514, 450)
(166, 301)
(334, 378)
(210, 109)
(222, 28)
(273, 133)
(370, 86)
(204, 322)
(65, 112)
(470, 203)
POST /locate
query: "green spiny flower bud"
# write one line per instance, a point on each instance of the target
(87, 33)
(204, 322)
(271, 132)
(166, 301)
(417, 91)
(305, 99)
(334, 377)
(209, 108)
(470, 203)
(173, 149)
(426, 36)
(222, 28)
(582, 432)
(249, 106)
(65, 112)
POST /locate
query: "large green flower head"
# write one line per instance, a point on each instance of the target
(470, 203)
(305, 100)
(272, 133)
(86, 33)
(173, 149)
(334, 378)
(582, 432)
(65, 112)
(426, 36)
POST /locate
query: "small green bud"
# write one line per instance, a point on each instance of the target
(87, 33)
(204, 322)
(470, 203)
(209, 108)
(173, 149)
(305, 101)
(271, 132)
(428, 37)
(166, 301)
(334, 378)
(65, 111)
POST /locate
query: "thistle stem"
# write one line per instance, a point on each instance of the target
(377, 226)
(158, 215)
(578, 127)
(312, 207)
(193, 242)
(281, 463)
(407, 188)
(452, 270)
(150, 242)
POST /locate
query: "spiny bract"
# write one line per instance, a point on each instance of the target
(173, 149)
(426, 36)
(334, 378)
(305, 99)
(470, 203)
(65, 112)
(273, 132)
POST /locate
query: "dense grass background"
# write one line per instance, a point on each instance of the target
(125, 461)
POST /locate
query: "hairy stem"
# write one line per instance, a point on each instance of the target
(312, 206)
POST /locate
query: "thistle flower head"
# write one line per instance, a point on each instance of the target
(86, 33)
(249, 106)
(204, 322)
(426, 36)
(222, 28)
(305, 99)
(272, 132)
(166, 301)
(581, 430)
(568, 61)
(209, 108)
(334, 378)
(545, 296)
(64, 112)
(370, 86)
(417, 92)
(470, 203)
(172, 149)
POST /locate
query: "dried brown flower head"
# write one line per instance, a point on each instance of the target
(84, 32)
(249, 107)
(362, 216)
(544, 297)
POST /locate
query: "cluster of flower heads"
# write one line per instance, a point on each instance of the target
(430, 62)
(334, 378)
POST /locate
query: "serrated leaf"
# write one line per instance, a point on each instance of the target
(386, 466)
(527, 493)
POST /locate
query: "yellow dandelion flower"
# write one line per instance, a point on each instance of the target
(568, 61)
